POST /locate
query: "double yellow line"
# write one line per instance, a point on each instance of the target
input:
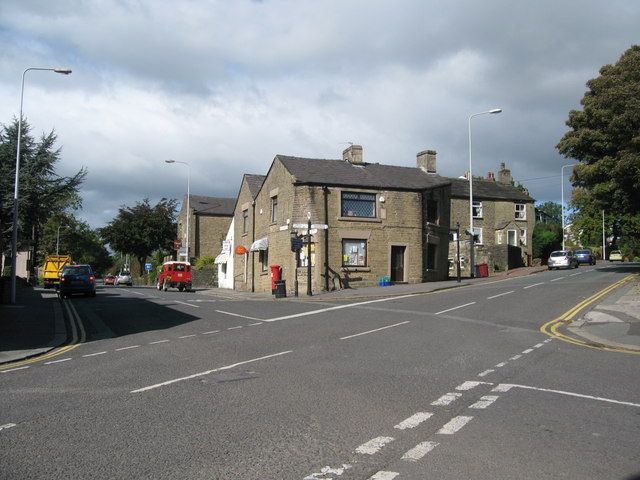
(78, 337)
(551, 328)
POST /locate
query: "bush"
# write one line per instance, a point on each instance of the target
(206, 261)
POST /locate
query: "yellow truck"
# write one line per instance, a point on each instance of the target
(53, 265)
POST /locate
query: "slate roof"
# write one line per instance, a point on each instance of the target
(485, 189)
(254, 182)
(312, 171)
(212, 205)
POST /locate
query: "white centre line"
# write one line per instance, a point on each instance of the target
(196, 375)
(454, 425)
(414, 420)
(374, 445)
(94, 354)
(238, 315)
(58, 361)
(187, 336)
(158, 341)
(499, 295)
(187, 304)
(212, 331)
(455, 308)
(14, 369)
(556, 279)
(127, 348)
(376, 330)
(419, 451)
(534, 285)
(7, 425)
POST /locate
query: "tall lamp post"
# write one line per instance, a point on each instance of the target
(58, 237)
(562, 196)
(14, 233)
(188, 194)
(471, 254)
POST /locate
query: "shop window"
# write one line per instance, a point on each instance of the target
(358, 204)
(477, 209)
(354, 253)
(521, 212)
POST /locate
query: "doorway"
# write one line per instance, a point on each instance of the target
(397, 264)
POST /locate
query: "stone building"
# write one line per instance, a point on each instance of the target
(368, 222)
(503, 223)
(209, 220)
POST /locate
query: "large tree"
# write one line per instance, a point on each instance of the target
(41, 192)
(142, 229)
(605, 139)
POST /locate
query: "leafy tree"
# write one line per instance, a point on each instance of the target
(142, 229)
(605, 138)
(552, 211)
(77, 239)
(547, 237)
(41, 192)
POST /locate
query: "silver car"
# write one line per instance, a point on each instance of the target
(562, 259)
(123, 278)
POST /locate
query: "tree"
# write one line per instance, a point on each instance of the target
(552, 212)
(41, 192)
(142, 229)
(605, 138)
(547, 237)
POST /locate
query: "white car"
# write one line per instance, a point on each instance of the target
(124, 278)
(562, 259)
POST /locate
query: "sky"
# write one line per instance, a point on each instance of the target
(226, 85)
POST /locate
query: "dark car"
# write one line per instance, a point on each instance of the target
(77, 279)
(585, 256)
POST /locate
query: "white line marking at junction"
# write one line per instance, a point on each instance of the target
(187, 304)
(534, 285)
(372, 331)
(7, 425)
(468, 385)
(58, 361)
(419, 451)
(384, 476)
(414, 420)
(454, 425)
(94, 354)
(374, 445)
(486, 372)
(254, 324)
(339, 307)
(501, 364)
(14, 369)
(127, 348)
(499, 295)
(455, 308)
(158, 341)
(446, 399)
(505, 387)
(237, 315)
(485, 401)
(196, 375)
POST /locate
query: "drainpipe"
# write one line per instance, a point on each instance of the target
(253, 236)
(325, 190)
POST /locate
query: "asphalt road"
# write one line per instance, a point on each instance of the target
(449, 385)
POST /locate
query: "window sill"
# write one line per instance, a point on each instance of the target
(356, 269)
(360, 219)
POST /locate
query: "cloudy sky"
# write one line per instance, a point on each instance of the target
(226, 85)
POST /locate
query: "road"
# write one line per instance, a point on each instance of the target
(454, 384)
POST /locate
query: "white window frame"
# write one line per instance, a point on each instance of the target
(354, 248)
(512, 238)
(520, 211)
(477, 209)
(523, 236)
(477, 231)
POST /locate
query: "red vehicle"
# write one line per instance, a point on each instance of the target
(175, 275)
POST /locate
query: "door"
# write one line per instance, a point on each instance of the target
(397, 264)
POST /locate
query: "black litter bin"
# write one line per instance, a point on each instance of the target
(281, 288)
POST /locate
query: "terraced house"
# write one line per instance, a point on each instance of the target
(369, 221)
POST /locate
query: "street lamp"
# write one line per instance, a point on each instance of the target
(562, 196)
(58, 237)
(188, 194)
(471, 256)
(14, 233)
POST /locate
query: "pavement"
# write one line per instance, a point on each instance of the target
(35, 325)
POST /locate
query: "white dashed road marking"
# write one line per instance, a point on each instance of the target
(454, 425)
(374, 445)
(419, 451)
(414, 420)
(446, 399)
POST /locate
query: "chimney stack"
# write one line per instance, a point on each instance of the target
(491, 177)
(353, 154)
(426, 161)
(504, 175)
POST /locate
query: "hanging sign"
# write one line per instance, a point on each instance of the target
(241, 250)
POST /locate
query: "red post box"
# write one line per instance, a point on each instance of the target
(275, 276)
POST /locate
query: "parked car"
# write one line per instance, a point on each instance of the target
(77, 279)
(585, 256)
(176, 275)
(616, 256)
(562, 259)
(124, 278)
(109, 279)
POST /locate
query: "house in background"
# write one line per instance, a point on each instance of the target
(369, 221)
(209, 220)
(503, 222)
